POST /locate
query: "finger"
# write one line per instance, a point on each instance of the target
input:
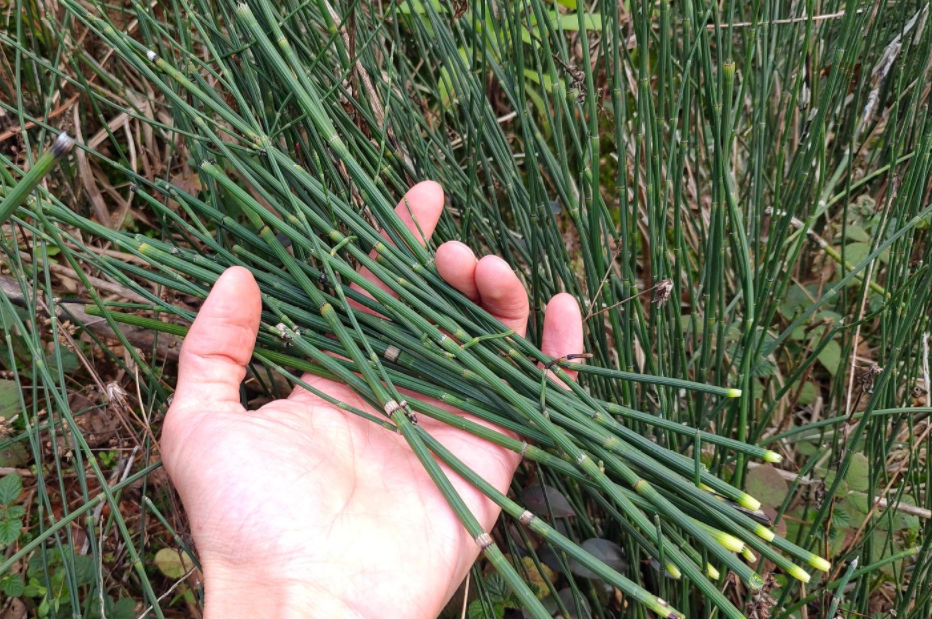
(456, 264)
(563, 331)
(502, 293)
(420, 211)
(213, 358)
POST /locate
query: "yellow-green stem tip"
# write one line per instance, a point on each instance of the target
(820, 564)
(764, 533)
(799, 573)
(749, 502)
(730, 542)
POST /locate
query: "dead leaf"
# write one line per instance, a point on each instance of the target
(17, 610)
(88, 179)
(187, 182)
(765, 484)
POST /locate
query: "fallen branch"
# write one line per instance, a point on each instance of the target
(881, 502)
(167, 346)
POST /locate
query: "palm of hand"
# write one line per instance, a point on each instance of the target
(330, 498)
(311, 508)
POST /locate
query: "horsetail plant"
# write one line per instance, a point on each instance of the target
(302, 121)
(18, 194)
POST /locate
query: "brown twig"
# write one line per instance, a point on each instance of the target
(664, 284)
(98, 283)
(786, 20)
(87, 176)
(6, 135)
(168, 346)
(880, 501)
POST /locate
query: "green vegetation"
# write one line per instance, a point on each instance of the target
(737, 194)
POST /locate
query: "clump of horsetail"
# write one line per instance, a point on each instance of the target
(286, 203)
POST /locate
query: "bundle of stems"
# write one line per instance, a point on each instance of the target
(302, 136)
(285, 203)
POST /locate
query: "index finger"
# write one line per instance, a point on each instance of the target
(420, 211)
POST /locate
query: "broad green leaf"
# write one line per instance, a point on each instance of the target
(569, 22)
(9, 399)
(841, 518)
(607, 552)
(796, 523)
(857, 505)
(84, 567)
(10, 529)
(416, 6)
(763, 368)
(538, 101)
(70, 363)
(16, 511)
(757, 388)
(34, 589)
(577, 611)
(858, 473)
(830, 357)
(829, 479)
(733, 334)
(476, 610)
(6, 315)
(766, 485)
(34, 566)
(797, 299)
(446, 87)
(536, 579)
(13, 455)
(856, 252)
(12, 585)
(533, 76)
(882, 545)
(808, 394)
(496, 587)
(550, 605)
(125, 608)
(10, 488)
(857, 233)
(591, 21)
(900, 521)
(173, 563)
(538, 498)
(806, 448)
(813, 334)
(35, 569)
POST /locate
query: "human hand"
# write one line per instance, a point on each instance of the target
(300, 509)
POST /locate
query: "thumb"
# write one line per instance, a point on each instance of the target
(213, 358)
